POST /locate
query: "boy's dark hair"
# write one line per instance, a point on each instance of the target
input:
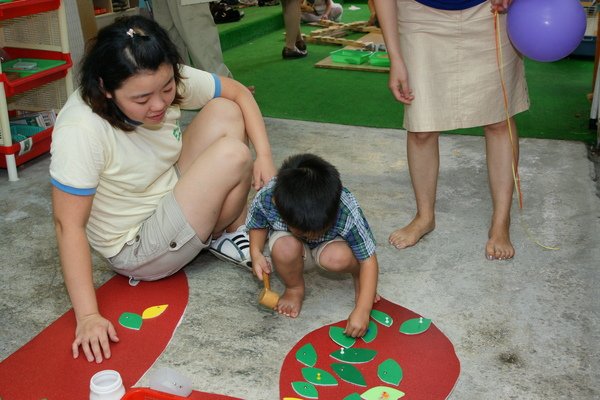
(307, 193)
(120, 50)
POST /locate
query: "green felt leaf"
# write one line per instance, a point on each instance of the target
(371, 332)
(349, 373)
(318, 376)
(336, 333)
(307, 355)
(381, 317)
(131, 320)
(415, 326)
(353, 396)
(354, 356)
(382, 392)
(306, 389)
(390, 372)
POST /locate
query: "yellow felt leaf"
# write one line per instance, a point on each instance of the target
(154, 311)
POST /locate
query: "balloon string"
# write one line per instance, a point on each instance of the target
(515, 167)
(499, 58)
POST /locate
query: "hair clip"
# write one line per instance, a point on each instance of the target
(131, 32)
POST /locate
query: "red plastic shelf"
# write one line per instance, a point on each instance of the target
(21, 8)
(20, 85)
(40, 144)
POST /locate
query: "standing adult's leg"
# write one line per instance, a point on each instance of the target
(195, 33)
(161, 13)
(293, 36)
(423, 164)
(501, 151)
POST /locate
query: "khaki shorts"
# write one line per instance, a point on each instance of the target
(310, 256)
(165, 243)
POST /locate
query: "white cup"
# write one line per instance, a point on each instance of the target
(106, 385)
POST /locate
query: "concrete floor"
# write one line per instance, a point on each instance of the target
(528, 328)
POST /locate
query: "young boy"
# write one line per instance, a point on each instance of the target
(309, 218)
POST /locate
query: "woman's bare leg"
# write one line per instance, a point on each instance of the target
(423, 164)
(500, 157)
(216, 169)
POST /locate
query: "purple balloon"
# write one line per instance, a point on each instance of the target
(546, 30)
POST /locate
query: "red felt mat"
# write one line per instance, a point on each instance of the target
(45, 368)
(429, 364)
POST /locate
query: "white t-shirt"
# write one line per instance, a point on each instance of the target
(127, 172)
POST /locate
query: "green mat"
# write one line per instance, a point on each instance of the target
(256, 22)
(295, 89)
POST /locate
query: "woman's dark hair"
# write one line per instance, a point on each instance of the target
(124, 48)
(307, 193)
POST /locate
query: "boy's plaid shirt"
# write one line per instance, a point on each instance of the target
(351, 225)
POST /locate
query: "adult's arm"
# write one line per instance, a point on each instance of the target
(398, 79)
(93, 332)
(264, 169)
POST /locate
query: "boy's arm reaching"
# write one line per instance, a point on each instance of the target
(260, 264)
(358, 321)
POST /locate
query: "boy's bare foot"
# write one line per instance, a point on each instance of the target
(290, 302)
(411, 233)
(499, 246)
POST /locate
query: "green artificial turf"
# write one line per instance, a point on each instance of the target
(256, 22)
(296, 89)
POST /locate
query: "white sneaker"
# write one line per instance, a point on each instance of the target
(233, 247)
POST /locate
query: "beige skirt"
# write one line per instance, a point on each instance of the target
(453, 70)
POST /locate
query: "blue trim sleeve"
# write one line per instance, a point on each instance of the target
(72, 190)
(217, 85)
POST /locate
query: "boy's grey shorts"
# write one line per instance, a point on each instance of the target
(164, 244)
(310, 256)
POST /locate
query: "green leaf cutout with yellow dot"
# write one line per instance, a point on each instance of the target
(382, 392)
(390, 372)
(354, 356)
(318, 376)
(307, 355)
(349, 373)
(381, 317)
(336, 333)
(371, 332)
(155, 311)
(305, 389)
(353, 396)
(415, 326)
(131, 321)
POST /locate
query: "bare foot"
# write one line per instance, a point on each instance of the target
(411, 233)
(499, 246)
(290, 302)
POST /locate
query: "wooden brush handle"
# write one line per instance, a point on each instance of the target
(266, 281)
